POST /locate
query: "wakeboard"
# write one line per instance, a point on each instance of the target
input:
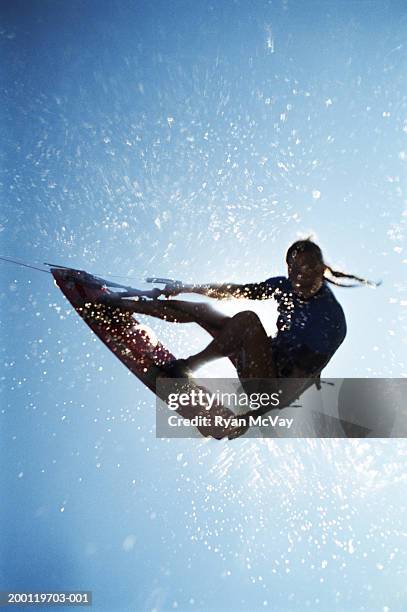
(132, 343)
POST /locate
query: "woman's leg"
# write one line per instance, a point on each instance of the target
(174, 311)
(245, 335)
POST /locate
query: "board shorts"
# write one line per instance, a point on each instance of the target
(285, 360)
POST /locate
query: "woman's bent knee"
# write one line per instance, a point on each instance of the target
(248, 318)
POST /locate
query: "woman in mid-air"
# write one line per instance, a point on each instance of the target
(311, 324)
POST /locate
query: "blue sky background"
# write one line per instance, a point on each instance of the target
(197, 140)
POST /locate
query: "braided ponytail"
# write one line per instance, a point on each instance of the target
(337, 274)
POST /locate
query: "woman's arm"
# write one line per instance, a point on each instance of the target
(221, 292)
(248, 291)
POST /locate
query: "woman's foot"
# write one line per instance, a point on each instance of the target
(178, 368)
(106, 299)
